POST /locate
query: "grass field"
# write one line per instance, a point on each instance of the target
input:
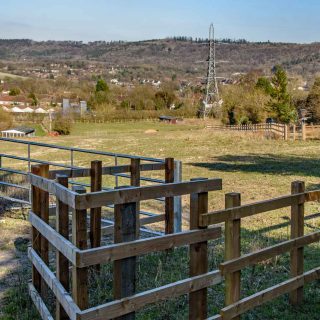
(4, 75)
(256, 167)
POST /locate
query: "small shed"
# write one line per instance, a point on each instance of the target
(18, 132)
(169, 119)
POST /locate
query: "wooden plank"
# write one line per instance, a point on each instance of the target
(79, 239)
(62, 263)
(268, 253)
(297, 230)
(58, 241)
(232, 250)
(169, 201)
(38, 302)
(139, 247)
(59, 291)
(124, 270)
(137, 301)
(251, 209)
(135, 182)
(103, 198)
(35, 205)
(198, 256)
(70, 173)
(269, 294)
(95, 213)
(62, 193)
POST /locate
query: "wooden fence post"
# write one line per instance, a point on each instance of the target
(36, 236)
(285, 132)
(178, 199)
(95, 213)
(303, 132)
(198, 256)
(62, 263)
(79, 239)
(124, 272)
(135, 182)
(232, 250)
(297, 230)
(294, 132)
(169, 201)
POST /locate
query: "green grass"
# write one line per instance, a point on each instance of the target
(258, 168)
(4, 75)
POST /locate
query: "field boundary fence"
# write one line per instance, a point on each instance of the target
(205, 225)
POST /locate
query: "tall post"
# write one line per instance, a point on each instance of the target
(135, 182)
(40, 203)
(79, 239)
(169, 201)
(297, 230)
(62, 263)
(177, 200)
(232, 250)
(36, 236)
(124, 272)
(198, 256)
(95, 213)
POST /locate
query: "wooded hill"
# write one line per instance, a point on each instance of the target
(177, 56)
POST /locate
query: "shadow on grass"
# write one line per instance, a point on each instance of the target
(264, 163)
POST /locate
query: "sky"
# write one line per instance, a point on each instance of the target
(131, 20)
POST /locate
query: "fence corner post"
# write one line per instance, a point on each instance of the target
(198, 256)
(297, 230)
(232, 250)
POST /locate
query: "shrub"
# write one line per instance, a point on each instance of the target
(62, 124)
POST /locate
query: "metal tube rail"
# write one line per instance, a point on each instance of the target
(13, 185)
(111, 154)
(14, 171)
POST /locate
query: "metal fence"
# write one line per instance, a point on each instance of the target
(20, 165)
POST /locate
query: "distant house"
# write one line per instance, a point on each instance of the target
(74, 107)
(18, 132)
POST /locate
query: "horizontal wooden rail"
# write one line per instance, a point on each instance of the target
(136, 194)
(125, 195)
(38, 302)
(269, 294)
(53, 283)
(251, 209)
(126, 305)
(59, 242)
(139, 247)
(267, 253)
(110, 170)
(62, 193)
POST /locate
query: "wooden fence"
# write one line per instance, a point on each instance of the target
(275, 130)
(269, 130)
(128, 246)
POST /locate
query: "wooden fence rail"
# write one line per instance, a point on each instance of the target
(83, 254)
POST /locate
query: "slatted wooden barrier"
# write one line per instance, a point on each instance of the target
(74, 305)
(127, 246)
(234, 262)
